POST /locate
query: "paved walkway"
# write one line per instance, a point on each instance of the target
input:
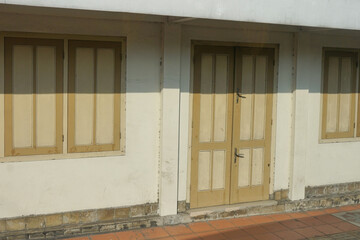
(328, 224)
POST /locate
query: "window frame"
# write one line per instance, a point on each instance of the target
(9, 43)
(354, 120)
(72, 45)
(65, 154)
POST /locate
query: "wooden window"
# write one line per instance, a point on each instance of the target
(33, 96)
(339, 90)
(94, 96)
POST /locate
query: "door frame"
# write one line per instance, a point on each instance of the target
(274, 103)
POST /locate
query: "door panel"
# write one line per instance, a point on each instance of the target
(231, 113)
(212, 126)
(252, 125)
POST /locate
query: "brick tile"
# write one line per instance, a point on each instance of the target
(274, 227)
(348, 208)
(234, 233)
(2, 226)
(298, 215)
(15, 224)
(311, 221)
(315, 213)
(344, 226)
(35, 222)
(267, 236)
(280, 217)
(153, 233)
(200, 227)
(253, 230)
(130, 235)
(79, 238)
(327, 229)
(329, 219)
(105, 214)
(71, 217)
(247, 237)
(309, 232)
(53, 220)
(221, 224)
(241, 222)
(88, 216)
(109, 236)
(357, 206)
(213, 235)
(177, 230)
(187, 237)
(332, 210)
(261, 219)
(289, 235)
(293, 224)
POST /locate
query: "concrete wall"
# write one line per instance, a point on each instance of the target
(48, 186)
(331, 13)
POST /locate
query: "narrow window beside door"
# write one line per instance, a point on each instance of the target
(339, 91)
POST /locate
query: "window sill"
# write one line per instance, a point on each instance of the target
(48, 157)
(339, 140)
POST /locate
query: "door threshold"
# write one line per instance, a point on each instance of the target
(230, 208)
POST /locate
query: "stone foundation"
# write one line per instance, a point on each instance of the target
(282, 194)
(78, 222)
(324, 190)
(183, 206)
(117, 219)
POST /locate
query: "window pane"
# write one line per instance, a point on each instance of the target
(45, 96)
(84, 97)
(22, 96)
(105, 80)
(332, 91)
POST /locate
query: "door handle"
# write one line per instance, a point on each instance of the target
(238, 95)
(238, 155)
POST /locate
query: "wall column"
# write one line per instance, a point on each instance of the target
(170, 94)
(300, 119)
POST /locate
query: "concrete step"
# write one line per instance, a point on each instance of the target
(229, 208)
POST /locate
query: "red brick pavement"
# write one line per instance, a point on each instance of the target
(288, 226)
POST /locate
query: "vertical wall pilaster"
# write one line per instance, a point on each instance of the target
(170, 95)
(300, 120)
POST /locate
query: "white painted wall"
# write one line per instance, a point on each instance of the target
(170, 97)
(330, 13)
(48, 186)
(326, 163)
(282, 149)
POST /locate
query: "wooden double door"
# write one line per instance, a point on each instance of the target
(231, 126)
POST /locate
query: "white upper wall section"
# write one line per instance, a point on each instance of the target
(342, 14)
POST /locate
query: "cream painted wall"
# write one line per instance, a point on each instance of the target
(48, 186)
(283, 118)
(326, 163)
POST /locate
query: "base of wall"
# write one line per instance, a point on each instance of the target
(141, 216)
(331, 189)
(78, 222)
